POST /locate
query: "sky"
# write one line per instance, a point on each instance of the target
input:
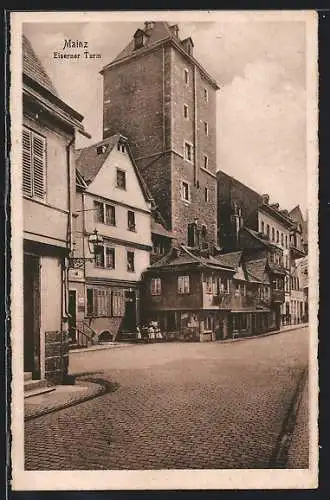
(261, 104)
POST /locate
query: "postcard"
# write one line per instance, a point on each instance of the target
(164, 267)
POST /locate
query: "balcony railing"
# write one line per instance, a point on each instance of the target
(239, 302)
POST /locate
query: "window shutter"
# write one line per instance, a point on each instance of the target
(39, 161)
(27, 177)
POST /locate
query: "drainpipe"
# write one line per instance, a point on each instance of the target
(195, 130)
(69, 231)
(69, 192)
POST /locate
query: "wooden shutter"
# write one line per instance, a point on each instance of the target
(39, 162)
(27, 162)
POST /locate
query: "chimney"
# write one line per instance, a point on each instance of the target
(175, 30)
(188, 45)
(148, 25)
(265, 199)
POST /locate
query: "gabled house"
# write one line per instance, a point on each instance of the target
(196, 296)
(251, 302)
(298, 234)
(257, 245)
(188, 293)
(48, 166)
(161, 237)
(116, 206)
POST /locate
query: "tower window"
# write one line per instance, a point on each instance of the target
(206, 194)
(206, 95)
(185, 191)
(188, 151)
(186, 76)
(205, 162)
(185, 111)
(206, 128)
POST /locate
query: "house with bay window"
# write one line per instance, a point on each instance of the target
(49, 131)
(116, 205)
(196, 296)
(188, 293)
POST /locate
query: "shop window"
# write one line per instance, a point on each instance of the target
(208, 323)
(118, 303)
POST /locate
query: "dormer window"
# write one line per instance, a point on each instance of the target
(101, 149)
(139, 39)
(188, 45)
(121, 147)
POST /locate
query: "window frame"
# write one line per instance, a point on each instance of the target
(105, 248)
(155, 287)
(191, 149)
(183, 182)
(206, 128)
(131, 227)
(33, 167)
(186, 76)
(121, 171)
(205, 162)
(130, 253)
(206, 94)
(184, 280)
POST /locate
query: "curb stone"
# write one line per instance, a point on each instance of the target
(97, 387)
(266, 334)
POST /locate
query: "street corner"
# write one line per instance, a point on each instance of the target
(83, 389)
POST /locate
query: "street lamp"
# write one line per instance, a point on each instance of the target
(95, 241)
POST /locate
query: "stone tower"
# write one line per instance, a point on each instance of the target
(161, 98)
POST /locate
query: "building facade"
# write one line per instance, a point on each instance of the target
(164, 101)
(48, 165)
(241, 207)
(193, 295)
(115, 205)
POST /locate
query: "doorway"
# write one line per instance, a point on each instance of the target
(31, 293)
(73, 316)
(129, 319)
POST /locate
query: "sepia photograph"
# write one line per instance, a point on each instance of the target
(165, 259)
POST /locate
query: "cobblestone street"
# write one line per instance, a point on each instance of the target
(193, 405)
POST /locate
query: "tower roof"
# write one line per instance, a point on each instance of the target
(157, 33)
